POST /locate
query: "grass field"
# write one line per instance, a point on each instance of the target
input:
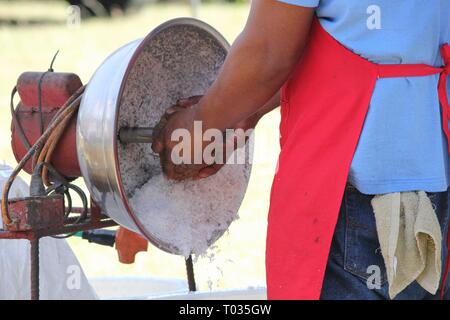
(239, 258)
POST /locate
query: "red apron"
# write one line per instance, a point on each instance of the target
(324, 105)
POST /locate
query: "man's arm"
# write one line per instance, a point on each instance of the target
(273, 103)
(258, 64)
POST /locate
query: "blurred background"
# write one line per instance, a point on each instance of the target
(30, 34)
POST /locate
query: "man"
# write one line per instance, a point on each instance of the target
(364, 110)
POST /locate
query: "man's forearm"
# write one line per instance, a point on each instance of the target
(273, 103)
(246, 85)
(258, 64)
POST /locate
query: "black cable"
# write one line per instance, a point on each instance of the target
(84, 212)
(69, 205)
(61, 182)
(66, 236)
(100, 236)
(50, 69)
(84, 200)
(41, 116)
(16, 121)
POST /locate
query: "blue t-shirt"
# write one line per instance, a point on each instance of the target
(402, 145)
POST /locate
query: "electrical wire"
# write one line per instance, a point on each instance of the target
(50, 146)
(84, 213)
(41, 79)
(71, 105)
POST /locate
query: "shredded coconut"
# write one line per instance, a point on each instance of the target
(191, 215)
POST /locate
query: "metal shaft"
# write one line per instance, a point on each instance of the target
(190, 274)
(34, 268)
(136, 135)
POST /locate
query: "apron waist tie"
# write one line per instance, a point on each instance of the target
(420, 70)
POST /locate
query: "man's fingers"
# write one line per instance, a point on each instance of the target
(178, 172)
(167, 165)
(208, 171)
(157, 146)
(158, 130)
(189, 102)
(173, 109)
(162, 146)
(158, 136)
(157, 143)
(184, 103)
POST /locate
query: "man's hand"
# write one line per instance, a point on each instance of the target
(158, 142)
(179, 116)
(182, 116)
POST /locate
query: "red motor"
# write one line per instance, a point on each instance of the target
(41, 96)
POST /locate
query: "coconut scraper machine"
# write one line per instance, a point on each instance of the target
(63, 130)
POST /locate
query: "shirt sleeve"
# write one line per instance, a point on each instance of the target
(303, 3)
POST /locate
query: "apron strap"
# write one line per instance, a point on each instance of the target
(421, 70)
(406, 70)
(443, 94)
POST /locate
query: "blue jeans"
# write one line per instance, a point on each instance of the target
(355, 250)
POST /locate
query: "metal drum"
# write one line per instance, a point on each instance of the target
(132, 88)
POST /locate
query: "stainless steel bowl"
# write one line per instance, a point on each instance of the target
(133, 87)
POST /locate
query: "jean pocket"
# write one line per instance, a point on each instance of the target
(362, 256)
(441, 205)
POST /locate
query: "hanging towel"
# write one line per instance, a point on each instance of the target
(411, 240)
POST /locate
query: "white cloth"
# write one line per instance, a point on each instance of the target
(61, 276)
(411, 240)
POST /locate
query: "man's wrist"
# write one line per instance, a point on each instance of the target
(207, 115)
